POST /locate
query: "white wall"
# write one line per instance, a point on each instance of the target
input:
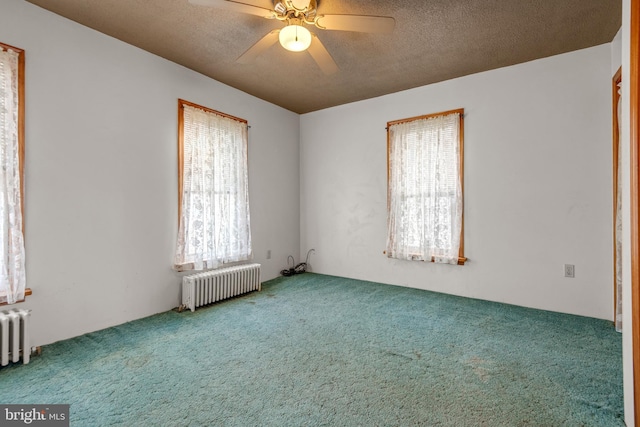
(101, 173)
(538, 168)
(616, 52)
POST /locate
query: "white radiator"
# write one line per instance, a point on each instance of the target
(215, 285)
(14, 336)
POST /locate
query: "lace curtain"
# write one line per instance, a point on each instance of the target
(214, 223)
(618, 248)
(12, 270)
(425, 194)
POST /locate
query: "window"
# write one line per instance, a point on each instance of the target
(213, 189)
(425, 161)
(12, 264)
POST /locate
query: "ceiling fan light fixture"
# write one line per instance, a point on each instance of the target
(295, 38)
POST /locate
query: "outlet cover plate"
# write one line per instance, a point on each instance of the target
(569, 270)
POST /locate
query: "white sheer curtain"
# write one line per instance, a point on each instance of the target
(12, 271)
(214, 223)
(618, 248)
(425, 194)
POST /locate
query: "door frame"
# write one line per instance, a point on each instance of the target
(617, 78)
(634, 123)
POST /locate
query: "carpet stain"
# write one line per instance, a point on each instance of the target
(480, 368)
(138, 362)
(413, 355)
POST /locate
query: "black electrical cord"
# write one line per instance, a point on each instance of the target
(302, 267)
(298, 269)
(291, 270)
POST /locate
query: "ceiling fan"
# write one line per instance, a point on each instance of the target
(297, 14)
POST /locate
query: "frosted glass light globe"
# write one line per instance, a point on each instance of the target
(295, 38)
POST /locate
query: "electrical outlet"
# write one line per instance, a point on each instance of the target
(569, 270)
(269, 254)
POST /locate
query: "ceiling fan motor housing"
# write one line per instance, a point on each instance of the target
(303, 9)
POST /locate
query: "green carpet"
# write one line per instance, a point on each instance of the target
(315, 350)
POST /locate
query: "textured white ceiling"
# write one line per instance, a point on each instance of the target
(434, 40)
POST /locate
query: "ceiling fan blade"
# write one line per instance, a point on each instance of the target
(253, 7)
(322, 56)
(261, 45)
(359, 23)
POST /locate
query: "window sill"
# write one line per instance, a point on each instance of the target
(27, 292)
(180, 268)
(461, 260)
(190, 266)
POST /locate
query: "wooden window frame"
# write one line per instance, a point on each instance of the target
(21, 133)
(460, 111)
(21, 112)
(617, 78)
(181, 104)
